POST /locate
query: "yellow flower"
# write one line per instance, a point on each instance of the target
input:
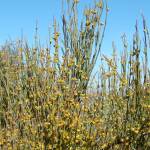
(78, 138)
(55, 60)
(93, 11)
(70, 64)
(49, 147)
(67, 114)
(56, 35)
(2, 141)
(146, 106)
(60, 81)
(46, 124)
(87, 12)
(76, 1)
(100, 4)
(135, 130)
(104, 146)
(65, 135)
(61, 123)
(74, 79)
(88, 23)
(124, 81)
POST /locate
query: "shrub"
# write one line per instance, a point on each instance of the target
(48, 101)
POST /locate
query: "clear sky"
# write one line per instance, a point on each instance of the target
(21, 15)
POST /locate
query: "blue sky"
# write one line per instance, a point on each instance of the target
(21, 15)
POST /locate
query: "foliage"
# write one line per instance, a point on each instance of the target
(48, 101)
